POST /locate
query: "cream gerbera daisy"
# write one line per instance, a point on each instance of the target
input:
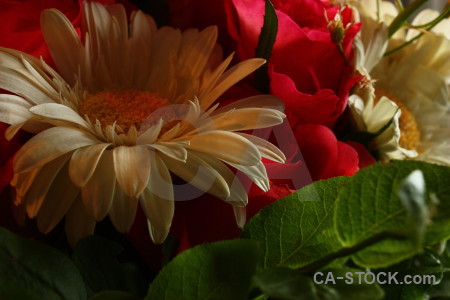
(132, 105)
(415, 79)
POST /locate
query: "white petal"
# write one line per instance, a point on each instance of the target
(132, 167)
(83, 163)
(31, 125)
(157, 201)
(98, 193)
(227, 146)
(231, 77)
(78, 224)
(23, 85)
(262, 101)
(199, 174)
(256, 173)
(240, 214)
(123, 210)
(48, 145)
(41, 184)
(59, 112)
(176, 150)
(238, 194)
(244, 119)
(151, 134)
(14, 109)
(59, 199)
(267, 149)
(63, 42)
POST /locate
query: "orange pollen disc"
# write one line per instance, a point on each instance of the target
(409, 131)
(127, 108)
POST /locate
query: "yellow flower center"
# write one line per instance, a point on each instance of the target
(409, 131)
(127, 108)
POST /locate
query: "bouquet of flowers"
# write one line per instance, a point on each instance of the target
(228, 149)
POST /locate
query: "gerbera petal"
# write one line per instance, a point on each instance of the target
(227, 146)
(256, 173)
(59, 112)
(63, 42)
(231, 77)
(22, 85)
(98, 193)
(132, 167)
(49, 145)
(238, 194)
(210, 81)
(267, 149)
(22, 183)
(245, 119)
(195, 52)
(31, 125)
(175, 150)
(83, 163)
(39, 188)
(157, 201)
(240, 214)
(199, 174)
(123, 210)
(151, 134)
(78, 224)
(55, 205)
(264, 101)
(14, 109)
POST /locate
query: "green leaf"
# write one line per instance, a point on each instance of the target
(422, 264)
(285, 283)
(298, 229)
(370, 206)
(13, 292)
(330, 284)
(442, 290)
(37, 270)
(265, 44)
(349, 286)
(113, 295)
(97, 260)
(221, 270)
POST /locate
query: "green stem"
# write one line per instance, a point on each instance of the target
(415, 38)
(341, 51)
(403, 16)
(399, 5)
(378, 10)
(434, 22)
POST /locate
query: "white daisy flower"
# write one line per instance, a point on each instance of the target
(415, 79)
(131, 105)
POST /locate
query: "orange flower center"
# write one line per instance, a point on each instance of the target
(127, 108)
(409, 131)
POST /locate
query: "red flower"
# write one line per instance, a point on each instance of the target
(324, 155)
(306, 68)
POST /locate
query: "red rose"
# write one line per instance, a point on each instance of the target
(324, 155)
(306, 68)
